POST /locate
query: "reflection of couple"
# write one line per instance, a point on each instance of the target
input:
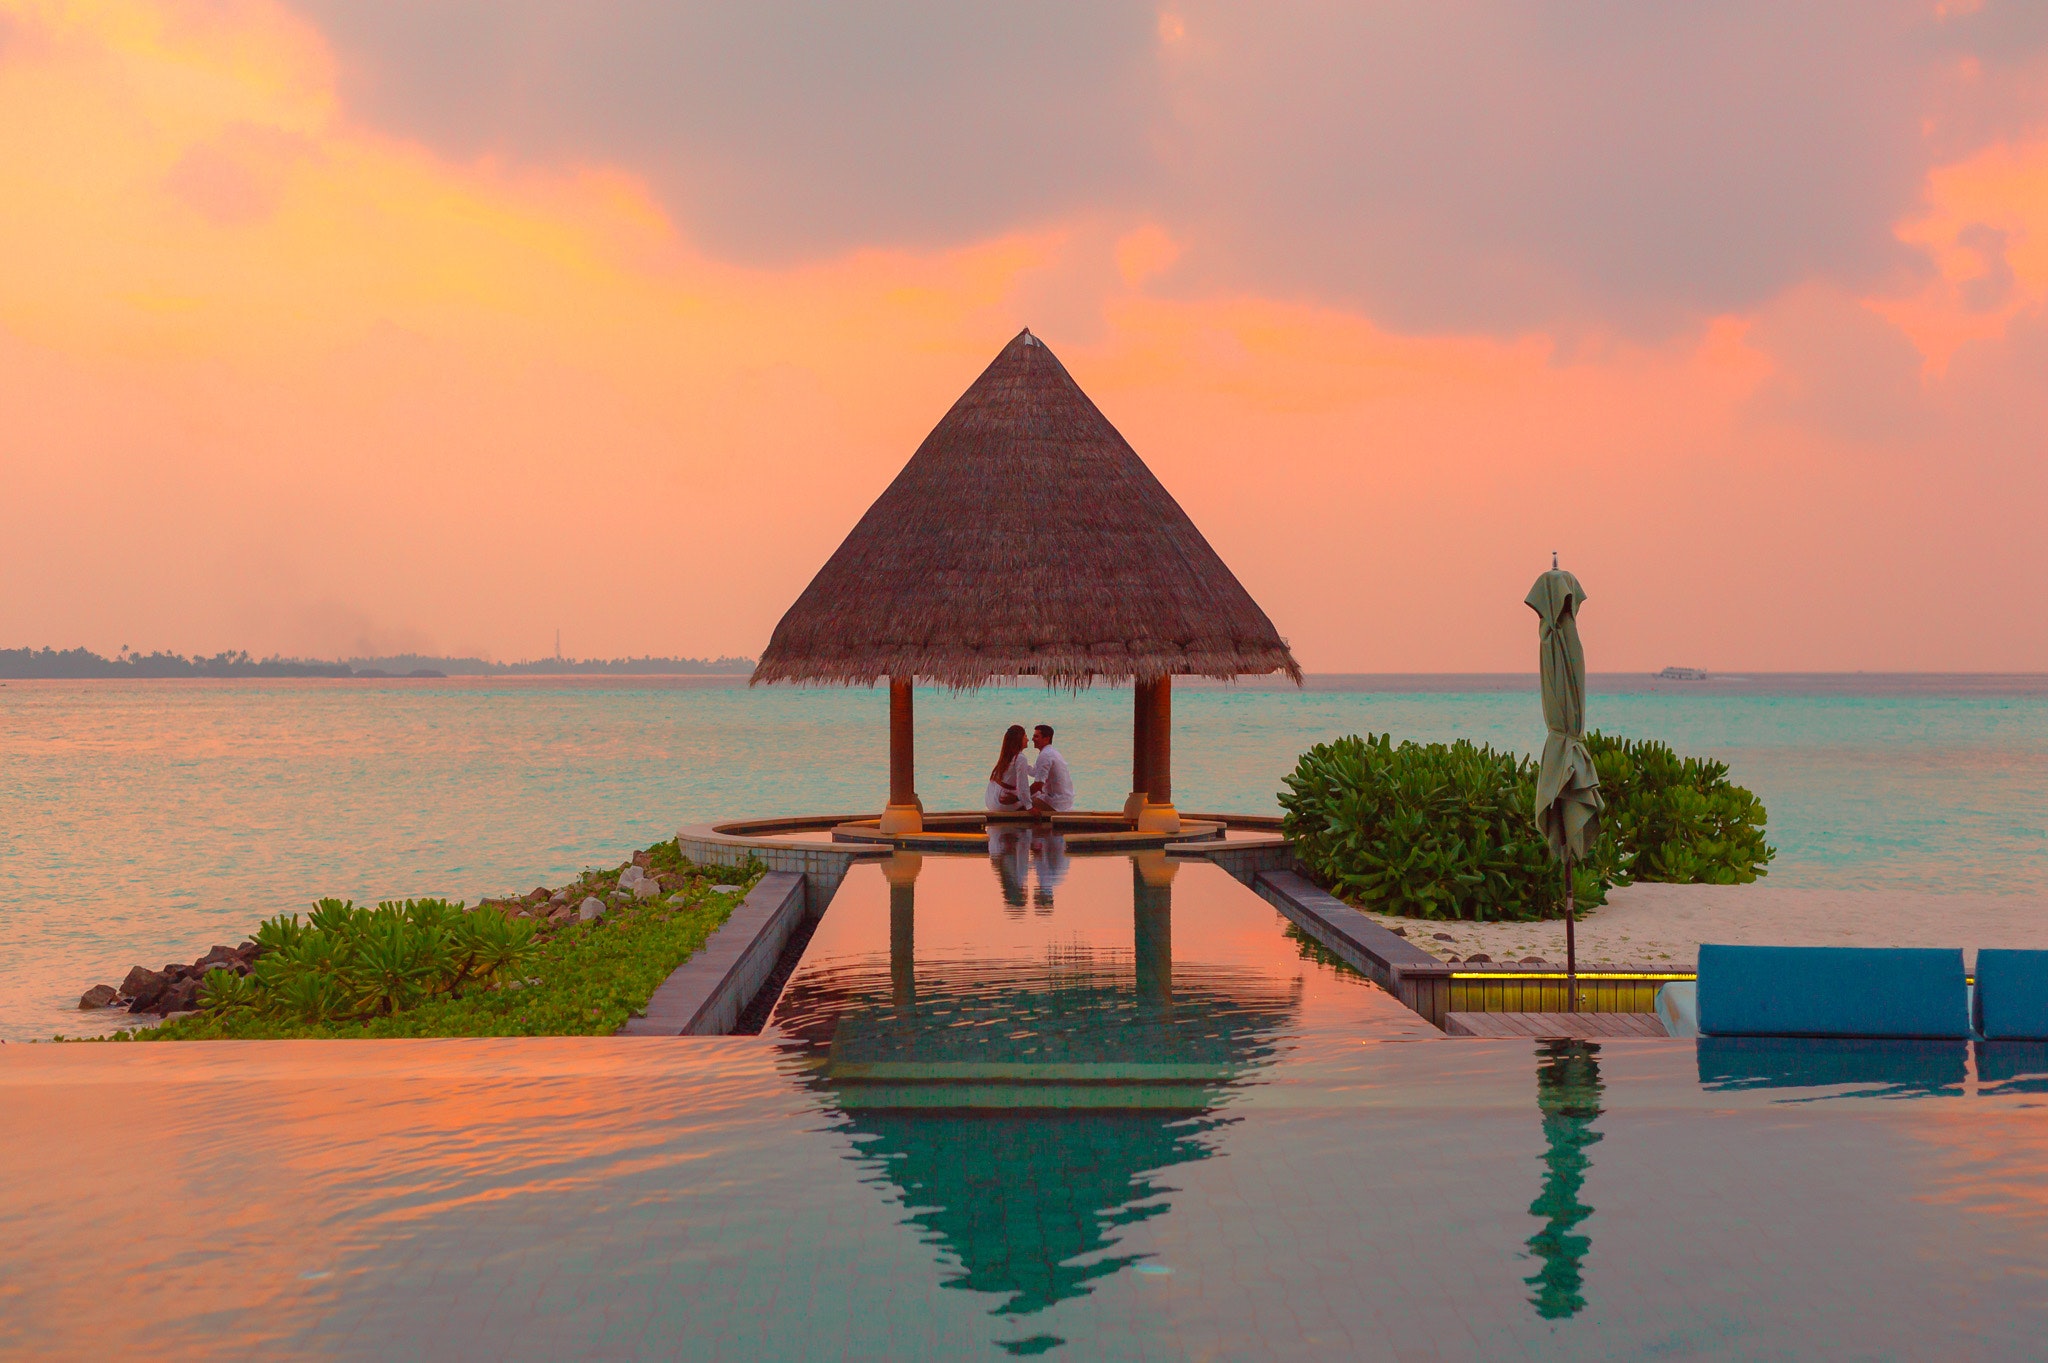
(1018, 785)
(1020, 854)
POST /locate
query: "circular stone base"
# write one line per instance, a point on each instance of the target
(968, 830)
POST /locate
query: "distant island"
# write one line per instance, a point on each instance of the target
(72, 663)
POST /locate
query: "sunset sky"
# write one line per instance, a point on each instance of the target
(349, 326)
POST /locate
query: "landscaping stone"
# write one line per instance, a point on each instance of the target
(1443, 937)
(1479, 958)
(635, 880)
(591, 909)
(725, 889)
(99, 996)
(142, 987)
(1399, 932)
(181, 997)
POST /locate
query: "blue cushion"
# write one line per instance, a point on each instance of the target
(2012, 995)
(1832, 991)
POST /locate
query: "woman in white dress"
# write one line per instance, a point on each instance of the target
(1009, 781)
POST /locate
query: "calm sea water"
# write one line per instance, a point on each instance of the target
(142, 822)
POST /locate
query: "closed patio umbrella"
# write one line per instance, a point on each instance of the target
(1567, 787)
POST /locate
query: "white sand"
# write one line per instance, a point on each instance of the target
(1665, 924)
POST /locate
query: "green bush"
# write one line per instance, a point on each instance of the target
(1448, 830)
(346, 963)
(1677, 819)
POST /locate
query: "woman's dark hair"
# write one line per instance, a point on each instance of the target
(1013, 743)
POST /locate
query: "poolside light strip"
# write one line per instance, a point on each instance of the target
(1665, 975)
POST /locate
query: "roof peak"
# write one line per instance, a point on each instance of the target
(1025, 536)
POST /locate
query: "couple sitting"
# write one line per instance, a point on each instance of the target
(1017, 785)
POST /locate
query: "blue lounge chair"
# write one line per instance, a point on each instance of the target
(1832, 992)
(2012, 995)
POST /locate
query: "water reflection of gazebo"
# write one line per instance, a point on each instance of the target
(1026, 538)
(1083, 1028)
(1028, 1107)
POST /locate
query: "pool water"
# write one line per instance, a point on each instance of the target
(1021, 1104)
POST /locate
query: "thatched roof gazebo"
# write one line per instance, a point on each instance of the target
(1026, 538)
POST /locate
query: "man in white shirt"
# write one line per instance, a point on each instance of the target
(1052, 785)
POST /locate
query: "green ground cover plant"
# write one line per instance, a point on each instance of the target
(428, 968)
(1435, 830)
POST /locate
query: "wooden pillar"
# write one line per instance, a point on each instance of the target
(1159, 738)
(1159, 814)
(1141, 749)
(904, 814)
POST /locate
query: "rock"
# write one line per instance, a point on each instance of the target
(591, 909)
(562, 914)
(1534, 960)
(216, 956)
(181, 997)
(559, 898)
(142, 987)
(643, 859)
(1443, 937)
(1398, 932)
(537, 894)
(1479, 958)
(1452, 958)
(725, 889)
(248, 951)
(99, 996)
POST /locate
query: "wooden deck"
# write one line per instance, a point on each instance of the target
(1548, 1025)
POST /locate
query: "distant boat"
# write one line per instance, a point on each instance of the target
(1683, 674)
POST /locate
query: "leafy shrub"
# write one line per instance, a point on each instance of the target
(1429, 830)
(346, 962)
(1677, 819)
(1449, 831)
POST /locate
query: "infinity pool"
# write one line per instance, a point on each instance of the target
(1029, 1104)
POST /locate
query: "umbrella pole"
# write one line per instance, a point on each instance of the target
(1571, 945)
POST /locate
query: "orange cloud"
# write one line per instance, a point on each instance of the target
(1985, 231)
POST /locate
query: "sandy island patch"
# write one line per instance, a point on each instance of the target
(1655, 925)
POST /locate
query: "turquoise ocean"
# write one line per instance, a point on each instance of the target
(141, 822)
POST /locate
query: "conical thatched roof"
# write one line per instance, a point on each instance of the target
(1025, 537)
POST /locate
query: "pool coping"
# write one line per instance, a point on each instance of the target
(705, 995)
